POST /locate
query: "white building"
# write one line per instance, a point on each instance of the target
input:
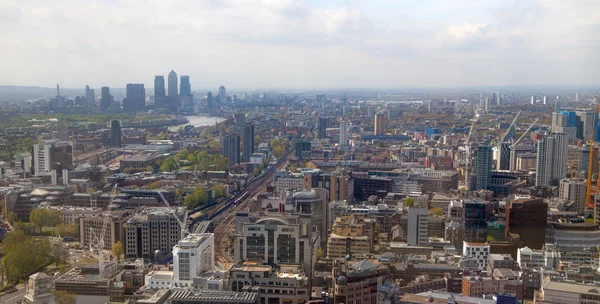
(570, 293)
(192, 256)
(343, 133)
(477, 251)
(295, 182)
(530, 258)
(574, 190)
(418, 219)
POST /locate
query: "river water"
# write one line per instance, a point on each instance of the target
(198, 121)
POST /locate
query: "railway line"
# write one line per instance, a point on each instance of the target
(224, 218)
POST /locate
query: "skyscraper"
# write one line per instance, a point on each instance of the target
(323, 124)
(343, 133)
(186, 87)
(248, 141)
(371, 111)
(418, 219)
(209, 100)
(483, 167)
(577, 96)
(90, 97)
(159, 91)
(231, 148)
(116, 135)
(379, 124)
(222, 95)
(105, 99)
(503, 160)
(136, 98)
(551, 162)
(173, 89)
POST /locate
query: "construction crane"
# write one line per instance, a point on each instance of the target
(513, 146)
(99, 244)
(512, 124)
(173, 211)
(589, 203)
(468, 149)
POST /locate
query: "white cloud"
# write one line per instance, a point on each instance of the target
(467, 30)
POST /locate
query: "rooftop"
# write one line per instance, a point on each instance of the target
(216, 296)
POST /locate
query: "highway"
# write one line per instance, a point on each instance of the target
(224, 222)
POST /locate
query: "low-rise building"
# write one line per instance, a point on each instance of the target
(478, 251)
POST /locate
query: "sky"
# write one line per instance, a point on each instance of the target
(300, 44)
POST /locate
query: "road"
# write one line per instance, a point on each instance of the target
(224, 223)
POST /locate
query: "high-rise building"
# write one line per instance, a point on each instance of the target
(248, 141)
(343, 133)
(551, 163)
(371, 111)
(105, 98)
(231, 148)
(418, 219)
(503, 160)
(483, 167)
(302, 146)
(585, 124)
(136, 98)
(222, 95)
(116, 135)
(567, 122)
(150, 230)
(495, 99)
(49, 155)
(477, 213)
(532, 100)
(193, 255)
(323, 124)
(527, 218)
(160, 94)
(487, 104)
(574, 190)
(577, 96)
(584, 159)
(209, 100)
(545, 100)
(90, 97)
(186, 87)
(379, 124)
(173, 89)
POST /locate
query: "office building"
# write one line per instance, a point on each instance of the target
(49, 155)
(503, 159)
(584, 160)
(248, 141)
(91, 228)
(231, 148)
(275, 239)
(478, 251)
(339, 183)
(527, 217)
(370, 111)
(136, 98)
(105, 98)
(551, 163)
(116, 135)
(90, 97)
(151, 230)
(193, 255)
(186, 87)
(173, 89)
(222, 95)
(160, 94)
(343, 140)
(566, 122)
(483, 167)
(574, 190)
(302, 146)
(209, 100)
(362, 282)
(417, 226)
(477, 213)
(323, 124)
(350, 234)
(379, 124)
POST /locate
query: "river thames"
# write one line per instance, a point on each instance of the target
(198, 121)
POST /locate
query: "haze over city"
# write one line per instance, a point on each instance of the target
(301, 44)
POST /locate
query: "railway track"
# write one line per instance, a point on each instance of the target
(224, 222)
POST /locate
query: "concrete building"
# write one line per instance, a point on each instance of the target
(90, 229)
(528, 258)
(322, 125)
(417, 226)
(358, 282)
(350, 234)
(483, 167)
(379, 124)
(551, 163)
(151, 230)
(231, 149)
(478, 251)
(248, 141)
(574, 190)
(343, 140)
(48, 155)
(275, 239)
(570, 293)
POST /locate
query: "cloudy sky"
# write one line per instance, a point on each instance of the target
(245, 44)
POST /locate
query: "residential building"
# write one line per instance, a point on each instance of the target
(322, 125)
(231, 149)
(379, 124)
(574, 190)
(343, 140)
(248, 141)
(478, 251)
(551, 163)
(483, 167)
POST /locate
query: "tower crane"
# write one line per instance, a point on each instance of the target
(99, 244)
(468, 149)
(182, 224)
(512, 124)
(513, 146)
(589, 192)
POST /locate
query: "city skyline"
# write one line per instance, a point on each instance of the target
(302, 44)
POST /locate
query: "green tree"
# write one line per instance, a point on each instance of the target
(409, 202)
(155, 185)
(437, 211)
(196, 198)
(256, 171)
(191, 159)
(219, 190)
(43, 217)
(68, 229)
(277, 151)
(320, 253)
(117, 250)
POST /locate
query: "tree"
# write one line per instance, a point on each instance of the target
(196, 198)
(277, 151)
(68, 229)
(191, 159)
(43, 217)
(409, 202)
(117, 250)
(256, 171)
(320, 253)
(155, 185)
(149, 169)
(437, 211)
(219, 190)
